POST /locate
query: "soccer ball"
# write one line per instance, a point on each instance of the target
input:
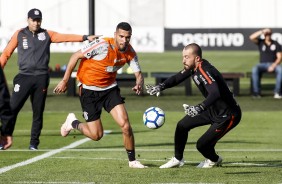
(154, 117)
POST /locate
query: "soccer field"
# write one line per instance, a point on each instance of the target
(252, 152)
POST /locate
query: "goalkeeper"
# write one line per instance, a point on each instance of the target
(219, 108)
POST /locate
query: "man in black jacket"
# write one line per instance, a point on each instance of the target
(219, 108)
(33, 45)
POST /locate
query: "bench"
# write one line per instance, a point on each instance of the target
(231, 78)
(128, 80)
(263, 75)
(123, 80)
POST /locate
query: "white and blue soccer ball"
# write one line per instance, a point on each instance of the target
(154, 117)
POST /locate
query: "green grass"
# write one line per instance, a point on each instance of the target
(252, 151)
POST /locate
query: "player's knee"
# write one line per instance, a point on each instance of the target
(200, 146)
(96, 136)
(126, 129)
(183, 125)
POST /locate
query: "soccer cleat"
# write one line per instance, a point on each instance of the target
(256, 96)
(209, 164)
(33, 148)
(136, 164)
(173, 163)
(67, 126)
(277, 96)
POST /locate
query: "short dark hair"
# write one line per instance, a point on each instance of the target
(124, 26)
(196, 49)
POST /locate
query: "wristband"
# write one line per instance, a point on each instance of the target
(85, 37)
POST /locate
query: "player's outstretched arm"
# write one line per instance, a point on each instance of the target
(62, 85)
(138, 88)
(155, 90)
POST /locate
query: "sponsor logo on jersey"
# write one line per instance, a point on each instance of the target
(210, 76)
(119, 60)
(113, 68)
(91, 44)
(203, 79)
(196, 80)
(25, 43)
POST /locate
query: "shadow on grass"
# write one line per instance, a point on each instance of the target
(244, 163)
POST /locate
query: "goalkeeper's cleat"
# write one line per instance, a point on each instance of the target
(67, 126)
(173, 163)
(209, 164)
(136, 164)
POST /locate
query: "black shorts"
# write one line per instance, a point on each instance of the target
(92, 102)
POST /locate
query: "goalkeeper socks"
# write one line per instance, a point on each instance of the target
(75, 124)
(131, 155)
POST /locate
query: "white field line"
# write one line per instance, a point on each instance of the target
(164, 160)
(45, 155)
(51, 182)
(151, 150)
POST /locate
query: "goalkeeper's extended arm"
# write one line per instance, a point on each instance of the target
(155, 90)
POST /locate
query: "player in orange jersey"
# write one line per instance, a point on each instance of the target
(99, 62)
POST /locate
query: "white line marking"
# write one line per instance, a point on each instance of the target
(165, 160)
(45, 155)
(52, 182)
(153, 150)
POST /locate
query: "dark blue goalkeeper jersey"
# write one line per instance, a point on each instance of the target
(219, 100)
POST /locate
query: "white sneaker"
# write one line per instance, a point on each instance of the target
(277, 96)
(67, 127)
(136, 164)
(173, 163)
(209, 164)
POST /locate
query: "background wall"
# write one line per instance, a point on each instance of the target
(148, 18)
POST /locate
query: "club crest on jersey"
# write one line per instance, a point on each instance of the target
(273, 47)
(41, 36)
(17, 88)
(85, 115)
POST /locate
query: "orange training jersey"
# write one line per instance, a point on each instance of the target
(102, 60)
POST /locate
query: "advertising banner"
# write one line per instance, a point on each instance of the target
(214, 39)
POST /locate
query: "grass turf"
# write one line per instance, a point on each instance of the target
(252, 151)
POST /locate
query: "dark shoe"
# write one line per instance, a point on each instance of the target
(33, 148)
(256, 95)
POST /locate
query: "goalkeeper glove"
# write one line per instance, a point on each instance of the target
(193, 110)
(155, 90)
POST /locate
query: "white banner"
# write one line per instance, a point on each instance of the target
(143, 39)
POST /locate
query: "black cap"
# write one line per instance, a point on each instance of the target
(34, 14)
